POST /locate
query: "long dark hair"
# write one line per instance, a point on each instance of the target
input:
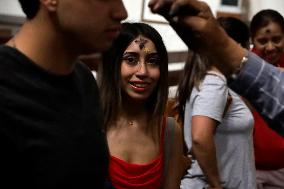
(110, 74)
(193, 74)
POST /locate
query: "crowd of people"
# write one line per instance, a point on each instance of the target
(60, 128)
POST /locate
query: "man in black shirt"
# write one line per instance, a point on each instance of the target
(50, 114)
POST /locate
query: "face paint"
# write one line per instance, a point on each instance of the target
(141, 42)
(146, 50)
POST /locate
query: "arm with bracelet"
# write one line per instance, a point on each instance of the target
(249, 75)
(263, 85)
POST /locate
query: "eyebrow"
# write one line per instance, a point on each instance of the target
(129, 53)
(132, 52)
(154, 54)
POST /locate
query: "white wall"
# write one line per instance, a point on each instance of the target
(134, 7)
(256, 5)
(10, 8)
(172, 41)
(253, 5)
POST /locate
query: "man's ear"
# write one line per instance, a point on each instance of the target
(50, 5)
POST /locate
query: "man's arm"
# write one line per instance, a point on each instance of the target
(260, 83)
(194, 22)
(263, 85)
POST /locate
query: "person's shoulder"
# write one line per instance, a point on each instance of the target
(215, 76)
(83, 70)
(8, 56)
(5, 51)
(9, 53)
(214, 80)
(80, 66)
(3, 47)
(213, 88)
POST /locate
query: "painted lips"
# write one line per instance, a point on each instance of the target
(139, 86)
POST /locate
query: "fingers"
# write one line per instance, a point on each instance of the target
(185, 7)
(190, 7)
(154, 5)
(158, 6)
(181, 9)
(187, 161)
(192, 20)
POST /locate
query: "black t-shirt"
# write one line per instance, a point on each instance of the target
(50, 126)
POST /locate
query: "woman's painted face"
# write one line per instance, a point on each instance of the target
(140, 70)
(269, 42)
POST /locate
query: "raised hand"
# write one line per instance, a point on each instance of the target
(197, 27)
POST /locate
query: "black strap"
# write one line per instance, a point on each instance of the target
(168, 143)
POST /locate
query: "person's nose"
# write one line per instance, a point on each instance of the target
(270, 46)
(119, 13)
(142, 70)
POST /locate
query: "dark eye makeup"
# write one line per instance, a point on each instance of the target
(132, 58)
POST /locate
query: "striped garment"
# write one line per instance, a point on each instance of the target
(263, 85)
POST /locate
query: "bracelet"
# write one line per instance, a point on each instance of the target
(235, 74)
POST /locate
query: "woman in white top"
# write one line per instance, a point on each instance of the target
(217, 130)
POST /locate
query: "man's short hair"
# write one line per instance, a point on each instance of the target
(30, 7)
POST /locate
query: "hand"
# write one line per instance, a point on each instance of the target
(193, 21)
(197, 27)
(161, 7)
(186, 161)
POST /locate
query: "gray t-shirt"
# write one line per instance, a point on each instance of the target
(233, 137)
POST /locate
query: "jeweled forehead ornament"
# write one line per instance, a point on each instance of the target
(141, 42)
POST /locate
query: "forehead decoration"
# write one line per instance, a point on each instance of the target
(141, 42)
(146, 50)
